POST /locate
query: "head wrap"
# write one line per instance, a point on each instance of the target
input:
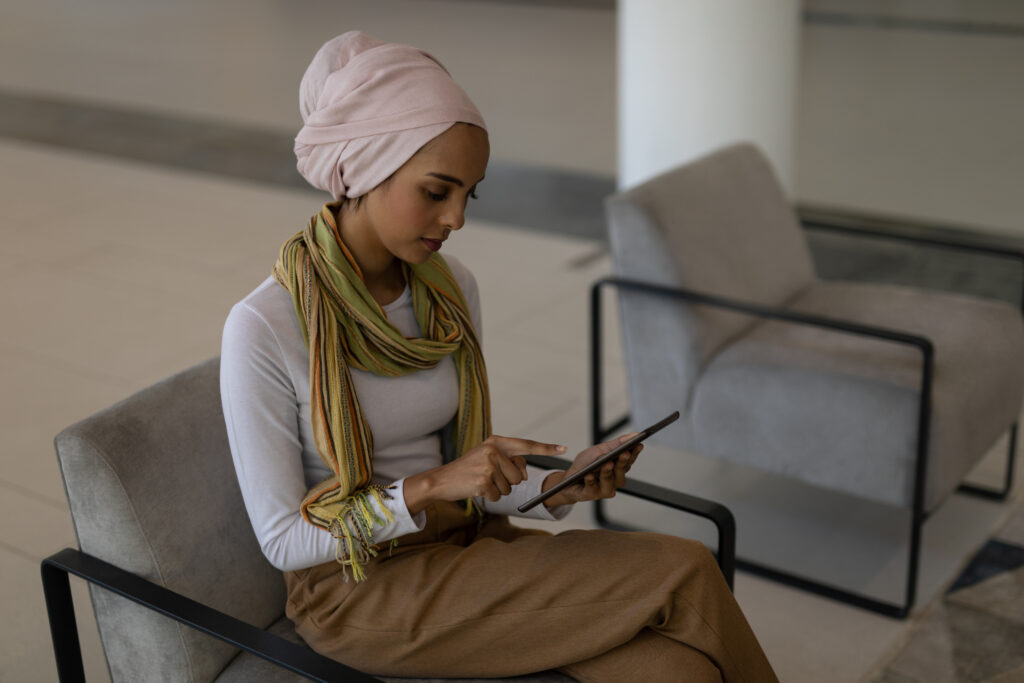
(368, 106)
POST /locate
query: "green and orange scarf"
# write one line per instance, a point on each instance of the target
(344, 327)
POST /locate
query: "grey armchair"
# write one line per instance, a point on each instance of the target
(170, 556)
(885, 392)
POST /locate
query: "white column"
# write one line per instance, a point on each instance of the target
(695, 75)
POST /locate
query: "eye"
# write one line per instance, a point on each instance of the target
(473, 195)
(437, 196)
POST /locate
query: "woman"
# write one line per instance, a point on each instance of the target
(356, 401)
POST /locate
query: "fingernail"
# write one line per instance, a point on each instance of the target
(561, 449)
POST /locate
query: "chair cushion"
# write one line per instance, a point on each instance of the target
(784, 395)
(152, 489)
(246, 668)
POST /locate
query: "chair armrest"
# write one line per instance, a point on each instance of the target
(56, 568)
(720, 515)
(772, 312)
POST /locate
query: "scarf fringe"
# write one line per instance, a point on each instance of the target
(352, 529)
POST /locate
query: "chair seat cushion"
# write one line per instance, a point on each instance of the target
(777, 397)
(246, 668)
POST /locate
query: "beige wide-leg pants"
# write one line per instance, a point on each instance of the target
(455, 600)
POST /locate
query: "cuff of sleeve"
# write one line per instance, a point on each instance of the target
(542, 511)
(404, 522)
(554, 514)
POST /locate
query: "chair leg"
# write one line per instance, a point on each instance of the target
(60, 609)
(997, 494)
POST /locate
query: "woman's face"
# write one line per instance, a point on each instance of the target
(412, 213)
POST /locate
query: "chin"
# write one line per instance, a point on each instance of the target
(417, 259)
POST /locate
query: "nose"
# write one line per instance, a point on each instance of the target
(454, 217)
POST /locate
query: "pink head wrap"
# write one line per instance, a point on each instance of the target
(368, 106)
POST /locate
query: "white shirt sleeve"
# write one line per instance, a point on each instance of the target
(522, 492)
(261, 415)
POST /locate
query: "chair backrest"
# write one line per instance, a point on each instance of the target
(720, 225)
(152, 489)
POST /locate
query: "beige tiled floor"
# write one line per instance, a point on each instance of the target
(117, 274)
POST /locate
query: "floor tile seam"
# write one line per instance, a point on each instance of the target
(31, 260)
(14, 550)
(115, 247)
(111, 381)
(155, 288)
(34, 495)
(586, 260)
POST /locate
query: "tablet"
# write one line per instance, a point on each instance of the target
(610, 455)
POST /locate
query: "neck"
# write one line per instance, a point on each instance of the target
(382, 272)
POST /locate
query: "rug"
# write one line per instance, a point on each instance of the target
(975, 632)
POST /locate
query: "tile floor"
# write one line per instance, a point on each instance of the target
(120, 273)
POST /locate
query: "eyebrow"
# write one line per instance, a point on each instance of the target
(448, 178)
(451, 178)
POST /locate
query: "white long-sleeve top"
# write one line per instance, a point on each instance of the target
(264, 382)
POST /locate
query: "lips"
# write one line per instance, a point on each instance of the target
(433, 245)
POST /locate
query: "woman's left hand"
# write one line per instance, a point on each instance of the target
(601, 483)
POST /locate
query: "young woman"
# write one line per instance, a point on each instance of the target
(356, 400)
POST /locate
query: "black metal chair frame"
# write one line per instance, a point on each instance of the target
(57, 568)
(600, 432)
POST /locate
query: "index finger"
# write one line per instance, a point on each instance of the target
(514, 446)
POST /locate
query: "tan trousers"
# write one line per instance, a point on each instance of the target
(601, 606)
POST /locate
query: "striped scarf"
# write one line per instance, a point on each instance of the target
(344, 327)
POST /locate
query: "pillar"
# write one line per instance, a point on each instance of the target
(695, 75)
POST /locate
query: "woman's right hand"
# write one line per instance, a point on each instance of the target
(489, 470)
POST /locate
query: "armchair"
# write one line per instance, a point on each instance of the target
(165, 543)
(885, 392)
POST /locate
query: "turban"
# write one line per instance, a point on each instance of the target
(368, 106)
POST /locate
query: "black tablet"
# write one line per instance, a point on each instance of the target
(610, 455)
